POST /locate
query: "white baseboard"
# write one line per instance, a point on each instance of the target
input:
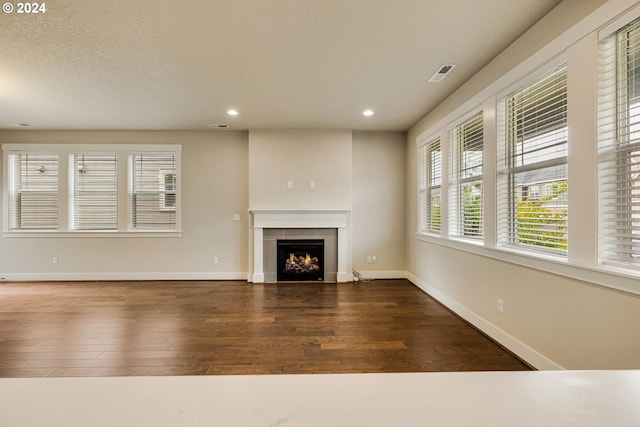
(53, 277)
(383, 275)
(342, 277)
(526, 353)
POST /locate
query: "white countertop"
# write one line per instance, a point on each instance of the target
(557, 398)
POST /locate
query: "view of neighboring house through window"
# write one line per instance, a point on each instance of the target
(466, 195)
(33, 191)
(619, 146)
(532, 194)
(94, 202)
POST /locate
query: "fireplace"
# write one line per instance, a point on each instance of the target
(269, 226)
(300, 260)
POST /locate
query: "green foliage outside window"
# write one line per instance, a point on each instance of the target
(472, 209)
(539, 224)
(436, 215)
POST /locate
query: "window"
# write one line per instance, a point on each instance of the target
(619, 147)
(532, 194)
(466, 196)
(422, 188)
(94, 201)
(33, 191)
(429, 210)
(79, 189)
(152, 191)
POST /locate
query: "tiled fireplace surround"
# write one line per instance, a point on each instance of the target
(334, 227)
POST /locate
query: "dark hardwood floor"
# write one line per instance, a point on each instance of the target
(193, 328)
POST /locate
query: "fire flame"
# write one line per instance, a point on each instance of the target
(307, 259)
(292, 257)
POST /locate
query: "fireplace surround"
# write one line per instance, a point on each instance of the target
(269, 225)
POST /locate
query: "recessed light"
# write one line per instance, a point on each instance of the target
(232, 112)
(367, 113)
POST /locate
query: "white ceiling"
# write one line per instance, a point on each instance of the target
(178, 65)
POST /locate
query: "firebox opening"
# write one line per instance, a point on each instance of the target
(300, 260)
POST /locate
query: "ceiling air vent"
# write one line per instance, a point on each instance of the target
(217, 125)
(442, 72)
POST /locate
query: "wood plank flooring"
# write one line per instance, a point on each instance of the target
(195, 328)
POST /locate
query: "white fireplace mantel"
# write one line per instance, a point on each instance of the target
(338, 219)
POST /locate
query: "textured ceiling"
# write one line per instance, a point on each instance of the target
(178, 65)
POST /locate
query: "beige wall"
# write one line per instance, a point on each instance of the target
(300, 156)
(214, 187)
(378, 215)
(549, 319)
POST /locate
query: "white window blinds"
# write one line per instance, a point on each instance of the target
(532, 196)
(434, 184)
(94, 185)
(466, 198)
(619, 147)
(33, 191)
(422, 188)
(152, 191)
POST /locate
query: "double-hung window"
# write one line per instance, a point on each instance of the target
(619, 147)
(152, 191)
(429, 210)
(33, 191)
(466, 196)
(532, 167)
(94, 186)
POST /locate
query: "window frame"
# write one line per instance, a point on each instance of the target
(428, 184)
(618, 150)
(10, 187)
(457, 167)
(507, 210)
(65, 190)
(74, 191)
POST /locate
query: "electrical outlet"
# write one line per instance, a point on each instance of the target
(54, 260)
(290, 183)
(500, 305)
(216, 260)
(368, 259)
(374, 259)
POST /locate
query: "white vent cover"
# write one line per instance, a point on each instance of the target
(217, 125)
(442, 72)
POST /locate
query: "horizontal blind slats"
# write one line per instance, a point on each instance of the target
(152, 193)
(619, 146)
(466, 192)
(95, 192)
(532, 196)
(33, 191)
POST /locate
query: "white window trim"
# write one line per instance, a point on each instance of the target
(65, 151)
